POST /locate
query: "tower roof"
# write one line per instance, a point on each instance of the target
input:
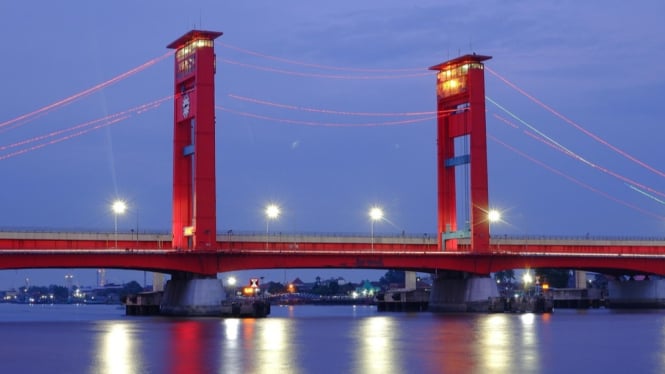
(193, 35)
(460, 60)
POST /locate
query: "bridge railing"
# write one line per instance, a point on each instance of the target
(295, 242)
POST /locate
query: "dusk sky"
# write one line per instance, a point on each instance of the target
(582, 154)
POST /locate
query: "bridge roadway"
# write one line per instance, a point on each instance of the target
(244, 251)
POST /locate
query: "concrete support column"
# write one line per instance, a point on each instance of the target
(410, 280)
(459, 292)
(580, 279)
(193, 296)
(647, 293)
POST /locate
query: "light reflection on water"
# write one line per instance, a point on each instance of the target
(376, 352)
(528, 343)
(494, 343)
(304, 339)
(115, 353)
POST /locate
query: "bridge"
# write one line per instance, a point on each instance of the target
(195, 248)
(246, 251)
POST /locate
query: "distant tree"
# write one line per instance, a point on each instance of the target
(333, 288)
(393, 276)
(505, 281)
(38, 290)
(557, 278)
(505, 276)
(347, 288)
(328, 288)
(599, 281)
(132, 288)
(275, 288)
(60, 293)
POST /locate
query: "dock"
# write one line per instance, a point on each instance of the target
(403, 300)
(578, 298)
(148, 304)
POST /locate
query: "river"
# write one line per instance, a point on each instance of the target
(329, 339)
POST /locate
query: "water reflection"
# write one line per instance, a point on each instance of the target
(508, 343)
(274, 344)
(116, 352)
(527, 341)
(492, 343)
(257, 346)
(377, 352)
(495, 343)
(450, 348)
(341, 340)
(193, 346)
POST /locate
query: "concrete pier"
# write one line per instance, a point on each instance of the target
(577, 298)
(143, 304)
(457, 292)
(403, 300)
(192, 296)
(647, 293)
(541, 303)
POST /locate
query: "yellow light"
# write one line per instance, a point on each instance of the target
(453, 83)
(188, 230)
(527, 278)
(546, 286)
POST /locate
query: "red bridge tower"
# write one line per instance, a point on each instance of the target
(460, 88)
(194, 210)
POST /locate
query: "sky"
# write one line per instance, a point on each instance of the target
(574, 116)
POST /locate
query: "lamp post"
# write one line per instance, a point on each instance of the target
(493, 216)
(68, 283)
(231, 284)
(118, 207)
(272, 212)
(527, 280)
(375, 214)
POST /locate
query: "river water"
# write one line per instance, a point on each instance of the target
(329, 339)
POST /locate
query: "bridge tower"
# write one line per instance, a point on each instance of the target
(194, 209)
(461, 140)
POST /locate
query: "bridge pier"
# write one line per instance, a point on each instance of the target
(462, 292)
(647, 293)
(189, 294)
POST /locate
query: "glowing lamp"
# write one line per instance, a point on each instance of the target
(376, 214)
(494, 215)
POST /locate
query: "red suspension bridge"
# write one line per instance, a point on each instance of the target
(194, 246)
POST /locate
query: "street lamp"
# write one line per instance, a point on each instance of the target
(272, 212)
(231, 284)
(375, 214)
(494, 215)
(527, 278)
(118, 207)
(68, 282)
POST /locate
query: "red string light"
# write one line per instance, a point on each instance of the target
(25, 118)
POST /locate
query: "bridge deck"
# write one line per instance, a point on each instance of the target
(259, 251)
